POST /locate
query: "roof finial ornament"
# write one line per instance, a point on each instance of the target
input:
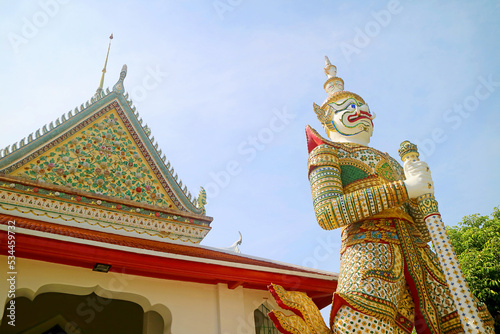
(118, 87)
(202, 200)
(98, 92)
(234, 247)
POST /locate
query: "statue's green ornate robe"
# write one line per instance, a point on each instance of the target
(387, 268)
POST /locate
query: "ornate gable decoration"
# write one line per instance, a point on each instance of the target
(102, 149)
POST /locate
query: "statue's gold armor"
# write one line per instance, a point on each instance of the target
(386, 263)
(389, 281)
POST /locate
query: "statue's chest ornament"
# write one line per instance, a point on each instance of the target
(385, 170)
(359, 164)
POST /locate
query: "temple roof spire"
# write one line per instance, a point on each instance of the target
(99, 89)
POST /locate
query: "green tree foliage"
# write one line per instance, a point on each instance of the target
(476, 241)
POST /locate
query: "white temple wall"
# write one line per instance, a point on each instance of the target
(185, 307)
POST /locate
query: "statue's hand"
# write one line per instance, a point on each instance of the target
(418, 179)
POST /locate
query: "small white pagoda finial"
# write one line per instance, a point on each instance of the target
(330, 70)
(333, 84)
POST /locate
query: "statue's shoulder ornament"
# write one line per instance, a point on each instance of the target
(354, 161)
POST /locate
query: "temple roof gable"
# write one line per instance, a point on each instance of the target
(102, 148)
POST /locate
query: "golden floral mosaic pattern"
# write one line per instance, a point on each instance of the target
(102, 158)
(366, 155)
(67, 209)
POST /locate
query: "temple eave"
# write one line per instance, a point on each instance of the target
(10, 179)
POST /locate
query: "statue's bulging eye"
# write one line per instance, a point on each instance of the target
(353, 106)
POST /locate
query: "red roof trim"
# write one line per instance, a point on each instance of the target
(86, 256)
(160, 246)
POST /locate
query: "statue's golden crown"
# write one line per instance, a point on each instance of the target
(334, 86)
(342, 96)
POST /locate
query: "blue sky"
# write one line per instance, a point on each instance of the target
(227, 87)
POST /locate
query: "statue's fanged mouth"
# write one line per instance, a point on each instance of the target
(361, 115)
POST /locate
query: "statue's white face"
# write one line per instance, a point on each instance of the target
(352, 122)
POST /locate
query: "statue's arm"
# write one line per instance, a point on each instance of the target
(418, 218)
(334, 208)
(412, 205)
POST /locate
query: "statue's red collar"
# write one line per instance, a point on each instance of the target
(313, 138)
